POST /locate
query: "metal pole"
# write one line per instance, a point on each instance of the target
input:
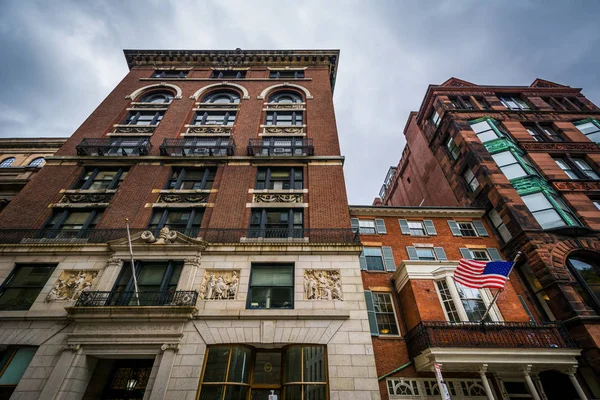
(489, 307)
(135, 286)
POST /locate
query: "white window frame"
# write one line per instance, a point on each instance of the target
(366, 224)
(393, 309)
(489, 258)
(422, 228)
(435, 258)
(472, 226)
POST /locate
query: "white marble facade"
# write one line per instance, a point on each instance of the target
(68, 350)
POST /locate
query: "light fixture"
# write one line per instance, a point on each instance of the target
(385, 331)
(131, 384)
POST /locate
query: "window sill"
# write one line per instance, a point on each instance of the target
(277, 191)
(130, 134)
(89, 191)
(377, 272)
(390, 337)
(180, 205)
(185, 191)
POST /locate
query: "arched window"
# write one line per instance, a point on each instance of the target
(7, 162)
(586, 268)
(285, 97)
(157, 96)
(222, 97)
(37, 162)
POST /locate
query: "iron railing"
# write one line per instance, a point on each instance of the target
(114, 147)
(197, 147)
(280, 147)
(211, 235)
(143, 298)
(489, 335)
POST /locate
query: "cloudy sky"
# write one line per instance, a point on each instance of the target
(60, 59)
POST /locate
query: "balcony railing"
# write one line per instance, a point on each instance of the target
(280, 147)
(197, 147)
(211, 235)
(114, 147)
(547, 335)
(143, 298)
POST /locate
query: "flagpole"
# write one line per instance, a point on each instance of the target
(489, 307)
(135, 286)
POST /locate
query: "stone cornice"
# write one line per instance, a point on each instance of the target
(576, 186)
(32, 143)
(180, 160)
(386, 211)
(559, 147)
(235, 58)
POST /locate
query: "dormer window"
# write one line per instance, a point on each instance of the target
(514, 102)
(228, 74)
(286, 74)
(169, 73)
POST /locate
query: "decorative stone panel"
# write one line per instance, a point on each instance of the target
(183, 198)
(292, 106)
(279, 198)
(70, 284)
(290, 130)
(322, 284)
(577, 186)
(219, 129)
(219, 285)
(561, 147)
(135, 129)
(87, 197)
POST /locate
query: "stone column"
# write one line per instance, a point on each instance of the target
(59, 372)
(161, 381)
(188, 273)
(575, 382)
(530, 385)
(110, 275)
(485, 383)
(539, 387)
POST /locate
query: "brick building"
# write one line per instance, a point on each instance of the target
(227, 166)
(529, 156)
(20, 160)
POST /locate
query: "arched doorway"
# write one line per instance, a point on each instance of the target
(557, 386)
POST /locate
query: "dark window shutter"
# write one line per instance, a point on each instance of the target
(380, 225)
(388, 258)
(527, 310)
(481, 231)
(371, 313)
(466, 253)
(354, 224)
(363, 261)
(412, 253)
(494, 254)
(404, 226)
(429, 227)
(440, 253)
(454, 228)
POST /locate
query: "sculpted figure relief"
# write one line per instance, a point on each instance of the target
(164, 236)
(322, 285)
(70, 284)
(219, 285)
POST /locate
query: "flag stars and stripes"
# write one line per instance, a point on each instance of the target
(481, 274)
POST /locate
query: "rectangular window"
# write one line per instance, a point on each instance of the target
(374, 259)
(499, 225)
(425, 253)
(452, 148)
(543, 211)
(585, 169)
(482, 103)
(367, 227)
(226, 118)
(271, 286)
(284, 118)
(72, 223)
(101, 178)
(384, 313)
(480, 255)
(416, 228)
(514, 103)
(472, 303)
(23, 285)
(590, 128)
(286, 74)
(435, 118)
(466, 229)
(156, 281)
(283, 146)
(543, 133)
(447, 301)
(485, 130)
(596, 203)
(471, 180)
(184, 220)
(279, 178)
(462, 103)
(169, 73)
(143, 118)
(228, 74)
(509, 165)
(13, 364)
(192, 178)
(276, 223)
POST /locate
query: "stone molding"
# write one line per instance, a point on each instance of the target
(388, 211)
(139, 91)
(559, 147)
(576, 186)
(71, 347)
(70, 197)
(210, 129)
(170, 346)
(268, 90)
(224, 84)
(183, 198)
(278, 198)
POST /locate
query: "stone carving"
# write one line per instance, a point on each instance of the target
(292, 106)
(170, 346)
(217, 105)
(135, 129)
(219, 285)
(151, 105)
(559, 147)
(286, 130)
(577, 186)
(74, 347)
(183, 198)
(322, 285)
(70, 284)
(165, 236)
(278, 198)
(81, 197)
(210, 129)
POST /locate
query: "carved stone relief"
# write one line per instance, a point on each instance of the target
(278, 198)
(136, 129)
(322, 284)
(284, 130)
(209, 129)
(83, 197)
(164, 236)
(70, 284)
(219, 285)
(183, 198)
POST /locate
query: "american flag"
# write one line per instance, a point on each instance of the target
(482, 274)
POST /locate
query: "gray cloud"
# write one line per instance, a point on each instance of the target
(62, 59)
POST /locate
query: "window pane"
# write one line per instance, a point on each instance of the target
(14, 371)
(32, 276)
(239, 368)
(487, 136)
(504, 158)
(425, 254)
(549, 219)
(272, 276)
(216, 364)
(537, 201)
(514, 171)
(372, 251)
(314, 364)
(263, 375)
(211, 392)
(481, 126)
(292, 357)
(588, 127)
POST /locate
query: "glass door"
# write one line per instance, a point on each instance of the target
(267, 375)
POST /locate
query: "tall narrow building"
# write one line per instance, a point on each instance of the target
(242, 277)
(530, 157)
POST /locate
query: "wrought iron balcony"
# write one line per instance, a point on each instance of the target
(280, 147)
(198, 147)
(67, 236)
(143, 298)
(546, 335)
(114, 147)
